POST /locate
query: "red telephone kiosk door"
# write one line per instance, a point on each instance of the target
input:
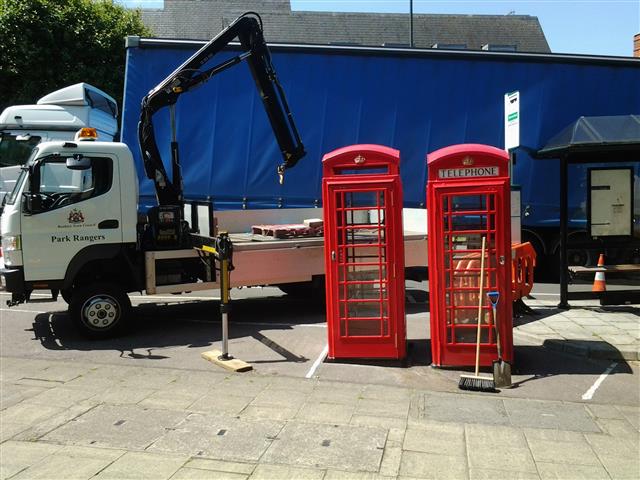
(364, 252)
(468, 198)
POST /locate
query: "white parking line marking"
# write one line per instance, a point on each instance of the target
(318, 361)
(588, 395)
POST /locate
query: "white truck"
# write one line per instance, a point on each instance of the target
(71, 223)
(56, 116)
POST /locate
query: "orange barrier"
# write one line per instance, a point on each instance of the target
(466, 277)
(523, 262)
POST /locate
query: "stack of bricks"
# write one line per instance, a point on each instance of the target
(636, 45)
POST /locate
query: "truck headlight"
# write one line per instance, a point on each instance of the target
(11, 243)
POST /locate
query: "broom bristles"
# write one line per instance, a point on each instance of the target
(477, 383)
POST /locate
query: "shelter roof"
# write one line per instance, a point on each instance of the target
(588, 134)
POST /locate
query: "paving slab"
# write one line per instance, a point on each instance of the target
(384, 408)
(268, 412)
(342, 475)
(391, 459)
(271, 472)
(489, 456)
(11, 393)
(28, 414)
(496, 435)
(575, 453)
(334, 392)
(618, 428)
(17, 456)
(62, 466)
(605, 411)
(340, 447)
(196, 474)
(219, 437)
(386, 393)
(142, 465)
(61, 397)
(119, 395)
(387, 423)
(221, 465)
(552, 434)
(229, 404)
(620, 467)
(458, 408)
(9, 430)
(118, 426)
(632, 414)
(170, 400)
(276, 397)
(246, 385)
(318, 412)
(494, 474)
(605, 445)
(41, 428)
(432, 466)
(545, 414)
(564, 471)
(439, 438)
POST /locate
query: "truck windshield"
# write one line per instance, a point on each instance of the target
(15, 149)
(11, 198)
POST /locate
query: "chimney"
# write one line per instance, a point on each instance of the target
(636, 45)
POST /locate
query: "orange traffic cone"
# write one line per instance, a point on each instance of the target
(599, 283)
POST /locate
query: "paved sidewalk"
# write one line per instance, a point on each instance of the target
(587, 329)
(62, 419)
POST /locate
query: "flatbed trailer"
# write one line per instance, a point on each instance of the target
(259, 261)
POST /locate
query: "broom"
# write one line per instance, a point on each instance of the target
(476, 382)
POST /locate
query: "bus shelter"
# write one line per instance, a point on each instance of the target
(608, 148)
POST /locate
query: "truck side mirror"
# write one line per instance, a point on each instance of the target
(78, 162)
(32, 202)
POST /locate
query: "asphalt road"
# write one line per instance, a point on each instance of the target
(282, 335)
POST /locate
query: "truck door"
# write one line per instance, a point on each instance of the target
(76, 209)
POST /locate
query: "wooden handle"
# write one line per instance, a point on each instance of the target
(480, 306)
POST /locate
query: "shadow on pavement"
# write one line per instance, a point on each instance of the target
(542, 362)
(193, 324)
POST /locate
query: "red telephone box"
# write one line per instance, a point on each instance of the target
(468, 198)
(364, 252)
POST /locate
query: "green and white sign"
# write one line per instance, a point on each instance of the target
(511, 120)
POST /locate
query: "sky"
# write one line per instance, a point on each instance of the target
(596, 27)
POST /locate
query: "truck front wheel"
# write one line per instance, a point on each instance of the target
(100, 310)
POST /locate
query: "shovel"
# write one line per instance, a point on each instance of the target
(501, 369)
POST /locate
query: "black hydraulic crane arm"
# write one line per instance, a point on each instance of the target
(248, 30)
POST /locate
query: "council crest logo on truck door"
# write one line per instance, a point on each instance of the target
(76, 216)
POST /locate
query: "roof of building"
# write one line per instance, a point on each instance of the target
(203, 19)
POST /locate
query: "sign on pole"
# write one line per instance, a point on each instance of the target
(511, 120)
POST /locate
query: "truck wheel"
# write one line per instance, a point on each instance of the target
(100, 310)
(66, 296)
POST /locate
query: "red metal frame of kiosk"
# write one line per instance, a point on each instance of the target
(468, 197)
(364, 252)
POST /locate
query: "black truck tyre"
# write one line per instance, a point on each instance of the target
(66, 295)
(100, 310)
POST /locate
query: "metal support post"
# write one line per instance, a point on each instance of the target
(225, 307)
(564, 226)
(223, 252)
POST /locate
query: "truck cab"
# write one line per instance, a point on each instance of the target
(70, 218)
